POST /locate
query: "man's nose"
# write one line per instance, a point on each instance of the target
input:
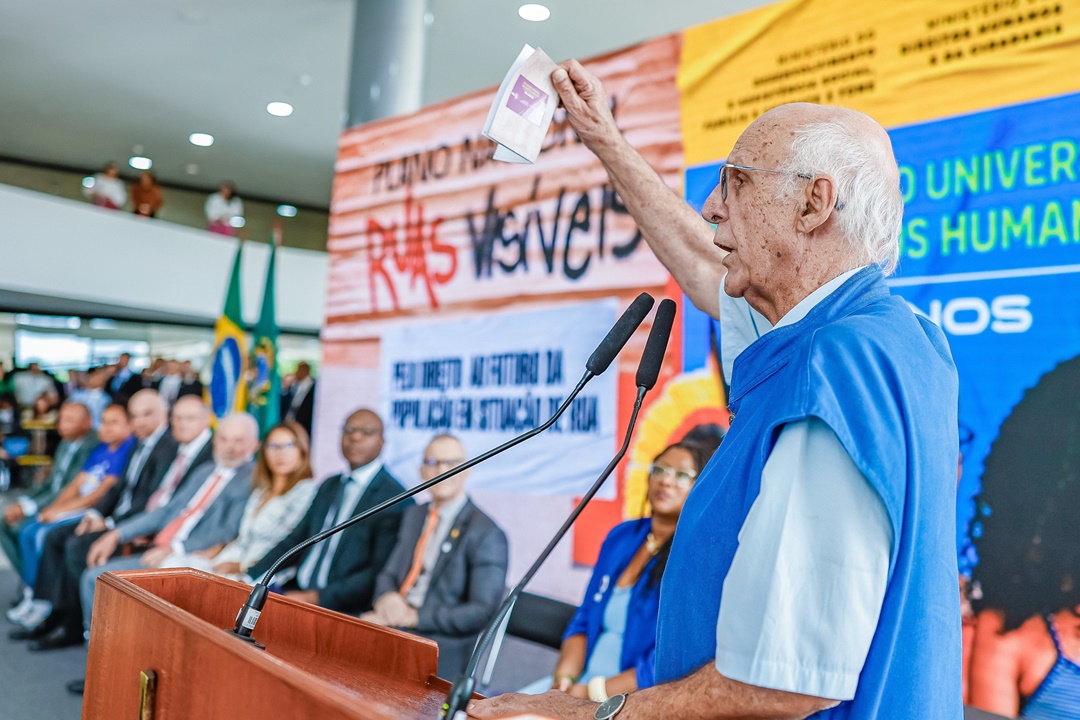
(715, 209)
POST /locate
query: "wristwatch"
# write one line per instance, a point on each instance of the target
(610, 707)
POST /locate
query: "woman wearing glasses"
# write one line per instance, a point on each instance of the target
(282, 489)
(608, 646)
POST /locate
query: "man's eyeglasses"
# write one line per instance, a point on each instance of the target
(682, 478)
(746, 168)
(359, 430)
(436, 463)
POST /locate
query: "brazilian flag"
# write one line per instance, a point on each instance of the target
(227, 391)
(266, 385)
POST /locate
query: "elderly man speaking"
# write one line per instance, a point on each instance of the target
(813, 571)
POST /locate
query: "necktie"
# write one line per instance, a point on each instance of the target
(168, 485)
(198, 504)
(132, 477)
(324, 547)
(418, 555)
(61, 466)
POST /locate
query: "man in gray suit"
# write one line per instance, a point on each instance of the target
(77, 439)
(204, 513)
(447, 573)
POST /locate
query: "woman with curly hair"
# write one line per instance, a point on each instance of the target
(1026, 587)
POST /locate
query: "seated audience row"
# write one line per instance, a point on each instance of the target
(154, 490)
(181, 496)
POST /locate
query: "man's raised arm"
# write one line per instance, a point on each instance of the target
(678, 236)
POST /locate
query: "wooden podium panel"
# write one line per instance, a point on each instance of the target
(318, 664)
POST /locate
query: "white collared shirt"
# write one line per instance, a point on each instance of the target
(817, 525)
(356, 483)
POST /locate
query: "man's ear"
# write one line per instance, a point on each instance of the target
(819, 201)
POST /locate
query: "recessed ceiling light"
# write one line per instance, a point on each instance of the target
(201, 139)
(236, 221)
(140, 163)
(534, 12)
(88, 181)
(286, 211)
(191, 169)
(279, 109)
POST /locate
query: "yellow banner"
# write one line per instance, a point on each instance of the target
(900, 62)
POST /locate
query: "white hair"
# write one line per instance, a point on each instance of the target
(867, 184)
(243, 420)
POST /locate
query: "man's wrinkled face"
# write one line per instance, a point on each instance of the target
(756, 223)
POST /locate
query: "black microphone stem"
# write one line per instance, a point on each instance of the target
(249, 614)
(461, 692)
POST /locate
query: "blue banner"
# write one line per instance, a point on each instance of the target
(991, 253)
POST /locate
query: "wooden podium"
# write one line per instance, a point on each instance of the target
(317, 663)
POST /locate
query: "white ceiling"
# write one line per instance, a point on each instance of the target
(85, 81)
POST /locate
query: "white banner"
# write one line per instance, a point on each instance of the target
(490, 378)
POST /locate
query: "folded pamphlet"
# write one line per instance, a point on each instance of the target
(524, 105)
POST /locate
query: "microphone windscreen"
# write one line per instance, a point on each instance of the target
(653, 357)
(620, 332)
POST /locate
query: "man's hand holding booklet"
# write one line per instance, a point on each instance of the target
(521, 114)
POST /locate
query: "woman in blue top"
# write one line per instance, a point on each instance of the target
(608, 646)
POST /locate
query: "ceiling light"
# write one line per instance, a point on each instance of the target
(201, 139)
(286, 211)
(236, 221)
(140, 163)
(279, 109)
(88, 181)
(534, 12)
(191, 169)
(429, 19)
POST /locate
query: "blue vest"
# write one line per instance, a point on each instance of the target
(884, 381)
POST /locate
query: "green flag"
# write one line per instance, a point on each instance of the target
(266, 387)
(227, 393)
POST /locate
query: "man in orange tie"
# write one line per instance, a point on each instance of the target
(447, 572)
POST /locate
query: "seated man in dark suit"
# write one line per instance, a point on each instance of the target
(339, 573)
(447, 573)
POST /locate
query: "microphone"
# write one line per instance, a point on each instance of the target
(653, 357)
(648, 371)
(617, 336)
(601, 358)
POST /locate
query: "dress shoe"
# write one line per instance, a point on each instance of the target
(75, 687)
(34, 633)
(54, 641)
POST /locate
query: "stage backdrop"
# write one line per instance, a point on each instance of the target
(427, 232)
(465, 296)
